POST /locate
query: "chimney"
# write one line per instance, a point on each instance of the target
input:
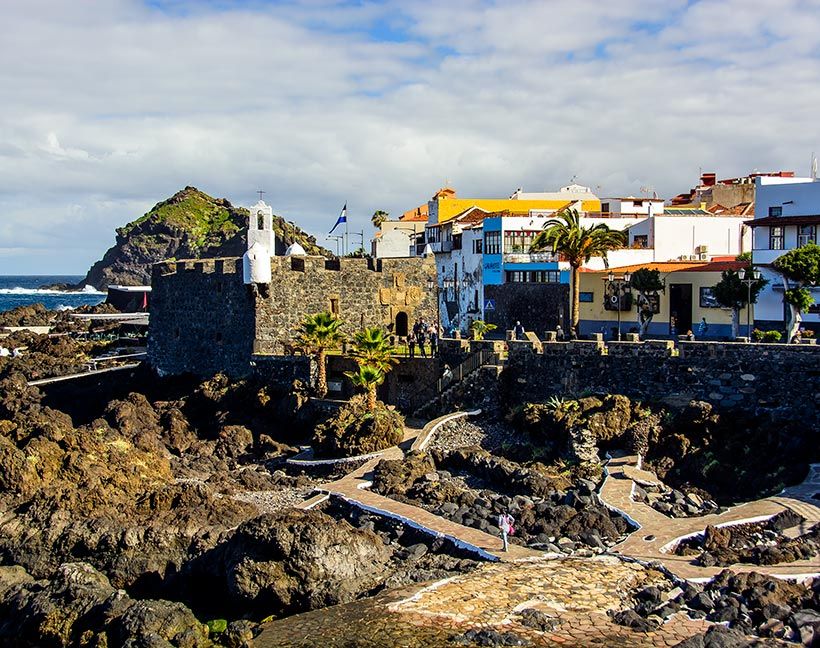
(707, 179)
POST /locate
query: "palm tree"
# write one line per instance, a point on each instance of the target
(373, 348)
(480, 328)
(378, 217)
(576, 244)
(367, 377)
(318, 333)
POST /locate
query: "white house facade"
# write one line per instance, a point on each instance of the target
(787, 216)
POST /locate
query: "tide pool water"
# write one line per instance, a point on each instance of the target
(25, 289)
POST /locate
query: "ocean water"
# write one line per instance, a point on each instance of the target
(23, 290)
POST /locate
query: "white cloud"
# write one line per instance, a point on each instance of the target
(116, 105)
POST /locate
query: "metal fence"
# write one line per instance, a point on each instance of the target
(470, 365)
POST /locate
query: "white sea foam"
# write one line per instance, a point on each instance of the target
(64, 307)
(87, 290)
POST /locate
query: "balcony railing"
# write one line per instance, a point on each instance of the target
(530, 257)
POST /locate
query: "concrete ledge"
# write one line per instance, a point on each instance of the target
(432, 427)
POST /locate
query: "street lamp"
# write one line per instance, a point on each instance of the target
(619, 286)
(749, 277)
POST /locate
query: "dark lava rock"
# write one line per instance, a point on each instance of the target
(537, 620)
(80, 602)
(488, 638)
(718, 637)
(300, 560)
(631, 619)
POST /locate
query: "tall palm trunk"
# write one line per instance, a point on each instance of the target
(575, 296)
(321, 377)
(371, 398)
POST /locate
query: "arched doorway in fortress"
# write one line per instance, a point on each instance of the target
(401, 324)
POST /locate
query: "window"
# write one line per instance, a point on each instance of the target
(585, 297)
(533, 276)
(604, 207)
(334, 305)
(776, 211)
(776, 238)
(805, 235)
(518, 242)
(492, 243)
(640, 241)
(477, 245)
(707, 298)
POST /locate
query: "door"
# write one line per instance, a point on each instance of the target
(680, 309)
(401, 324)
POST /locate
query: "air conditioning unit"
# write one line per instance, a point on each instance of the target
(702, 249)
(703, 256)
(693, 257)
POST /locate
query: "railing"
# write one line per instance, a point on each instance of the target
(470, 365)
(530, 257)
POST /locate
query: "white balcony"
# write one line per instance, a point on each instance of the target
(530, 257)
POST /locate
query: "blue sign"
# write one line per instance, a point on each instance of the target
(489, 304)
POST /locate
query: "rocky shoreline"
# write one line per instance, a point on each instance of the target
(165, 513)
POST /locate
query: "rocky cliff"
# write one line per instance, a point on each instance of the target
(191, 224)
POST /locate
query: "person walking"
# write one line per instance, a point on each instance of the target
(433, 335)
(421, 338)
(702, 328)
(505, 523)
(559, 333)
(518, 331)
(411, 345)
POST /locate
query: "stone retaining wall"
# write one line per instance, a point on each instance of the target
(728, 375)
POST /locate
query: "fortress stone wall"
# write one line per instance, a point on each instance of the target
(204, 319)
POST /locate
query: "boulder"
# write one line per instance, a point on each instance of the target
(300, 560)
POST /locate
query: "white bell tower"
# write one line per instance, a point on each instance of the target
(261, 244)
(260, 227)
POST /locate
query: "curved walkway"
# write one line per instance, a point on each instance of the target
(648, 544)
(354, 486)
(657, 530)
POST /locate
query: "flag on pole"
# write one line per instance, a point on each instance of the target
(342, 219)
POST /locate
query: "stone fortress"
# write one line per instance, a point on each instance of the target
(217, 315)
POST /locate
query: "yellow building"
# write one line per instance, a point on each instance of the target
(681, 306)
(446, 205)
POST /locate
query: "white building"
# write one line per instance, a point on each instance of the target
(397, 238)
(458, 246)
(787, 216)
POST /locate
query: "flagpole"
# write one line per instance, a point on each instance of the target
(346, 234)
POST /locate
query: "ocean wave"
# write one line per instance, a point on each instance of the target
(18, 290)
(64, 307)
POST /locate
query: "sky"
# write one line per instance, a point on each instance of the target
(110, 106)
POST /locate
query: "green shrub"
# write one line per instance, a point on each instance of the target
(216, 626)
(354, 430)
(766, 336)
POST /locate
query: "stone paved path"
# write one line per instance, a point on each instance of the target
(575, 593)
(658, 530)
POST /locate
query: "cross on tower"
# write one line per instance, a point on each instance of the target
(260, 192)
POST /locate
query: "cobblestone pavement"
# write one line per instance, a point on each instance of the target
(575, 593)
(658, 530)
